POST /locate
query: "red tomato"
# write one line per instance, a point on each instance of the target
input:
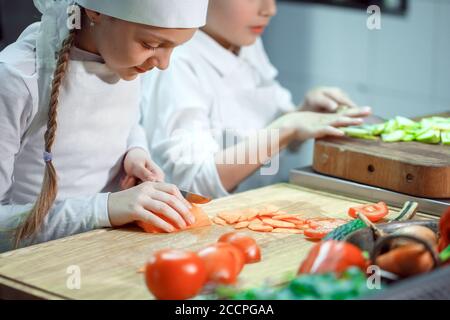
(175, 274)
(317, 233)
(332, 256)
(247, 245)
(223, 262)
(444, 230)
(373, 212)
(320, 227)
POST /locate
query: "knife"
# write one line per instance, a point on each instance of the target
(194, 197)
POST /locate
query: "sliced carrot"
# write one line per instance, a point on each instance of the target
(230, 217)
(320, 227)
(242, 218)
(141, 270)
(260, 227)
(285, 217)
(242, 225)
(256, 219)
(249, 214)
(325, 222)
(302, 226)
(219, 221)
(278, 223)
(287, 230)
(201, 220)
(268, 211)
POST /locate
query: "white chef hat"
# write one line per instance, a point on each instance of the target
(53, 28)
(158, 13)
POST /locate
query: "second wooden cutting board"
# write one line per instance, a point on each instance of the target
(413, 168)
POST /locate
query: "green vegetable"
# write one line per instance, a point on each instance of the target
(378, 129)
(408, 211)
(343, 231)
(394, 136)
(445, 137)
(430, 136)
(340, 233)
(329, 286)
(408, 137)
(445, 255)
(405, 123)
(391, 126)
(359, 132)
(432, 130)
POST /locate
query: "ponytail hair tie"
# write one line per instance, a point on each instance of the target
(48, 156)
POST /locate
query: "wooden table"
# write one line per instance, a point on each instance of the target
(108, 259)
(413, 168)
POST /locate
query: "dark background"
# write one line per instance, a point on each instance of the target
(15, 16)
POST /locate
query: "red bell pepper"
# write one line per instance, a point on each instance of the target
(333, 256)
(444, 230)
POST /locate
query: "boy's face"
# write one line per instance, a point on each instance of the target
(130, 48)
(239, 22)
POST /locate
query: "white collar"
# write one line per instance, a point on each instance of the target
(78, 54)
(220, 58)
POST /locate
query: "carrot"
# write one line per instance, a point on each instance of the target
(242, 225)
(201, 220)
(260, 227)
(302, 226)
(286, 217)
(141, 270)
(242, 218)
(318, 228)
(219, 221)
(249, 214)
(230, 217)
(278, 223)
(268, 211)
(287, 230)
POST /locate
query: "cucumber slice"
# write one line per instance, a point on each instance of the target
(393, 136)
(359, 132)
(408, 137)
(378, 129)
(445, 137)
(431, 136)
(390, 126)
(405, 123)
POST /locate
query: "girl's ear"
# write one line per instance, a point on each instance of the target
(93, 16)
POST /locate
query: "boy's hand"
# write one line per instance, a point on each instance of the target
(327, 100)
(139, 167)
(310, 125)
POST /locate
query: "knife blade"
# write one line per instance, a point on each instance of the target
(194, 197)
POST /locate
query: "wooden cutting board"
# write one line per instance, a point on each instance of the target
(412, 168)
(108, 259)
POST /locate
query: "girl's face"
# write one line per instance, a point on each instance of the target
(131, 48)
(238, 22)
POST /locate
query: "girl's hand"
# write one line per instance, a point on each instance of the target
(147, 202)
(310, 125)
(139, 167)
(327, 100)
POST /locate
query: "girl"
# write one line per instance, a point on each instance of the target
(66, 140)
(222, 87)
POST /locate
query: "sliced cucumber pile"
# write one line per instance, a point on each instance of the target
(434, 130)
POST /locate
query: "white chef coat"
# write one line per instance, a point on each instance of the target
(98, 121)
(205, 92)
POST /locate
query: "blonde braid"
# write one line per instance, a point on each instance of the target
(49, 187)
